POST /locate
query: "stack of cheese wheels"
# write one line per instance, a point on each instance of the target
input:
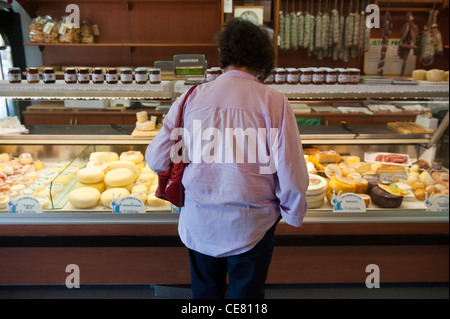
(90, 186)
(143, 124)
(316, 191)
(134, 157)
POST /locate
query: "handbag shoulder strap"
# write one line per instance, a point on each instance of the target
(179, 122)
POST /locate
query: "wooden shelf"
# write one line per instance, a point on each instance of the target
(121, 44)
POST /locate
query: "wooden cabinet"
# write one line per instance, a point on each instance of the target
(80, 117)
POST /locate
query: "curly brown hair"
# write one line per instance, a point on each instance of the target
(244, 44)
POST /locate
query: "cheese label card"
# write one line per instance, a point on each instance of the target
(128, 205)
(348, 202)
(437, 204)
(24, 205)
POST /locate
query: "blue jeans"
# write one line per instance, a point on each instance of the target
(247, 272)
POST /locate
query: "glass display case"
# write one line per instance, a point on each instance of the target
(147, 244)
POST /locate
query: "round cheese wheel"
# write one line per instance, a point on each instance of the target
(25, 158)
(119, 177)
(435, 75)
(154, 201)
(84, 197)
(365, 198)
(147, 175)
(361, 185)
(153, 188)
(100, 186)
(144, 181)
(342, 184)
(117, 192)
(146, 126)
(18, 187)
(124, 164)
(132, 156)
(332, 170)
(139, 189)
(141, 195)
(384, 199)
(317, 185)
(38, 165)
(28, 192)
(419, 75)
(312, 204)
(90, 175)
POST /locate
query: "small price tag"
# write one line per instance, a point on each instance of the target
(127, 205)
(48, 27)
(24, 205)
(348, 202)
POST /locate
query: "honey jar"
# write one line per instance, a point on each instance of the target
(126, 76)
(97, 76)
(111, 76)
(155, 75)
(14, 75)
(83, 75)
(33, 75)
(49, 76)
(141, 75)
(70, 76)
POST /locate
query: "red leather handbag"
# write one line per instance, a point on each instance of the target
(170, 187)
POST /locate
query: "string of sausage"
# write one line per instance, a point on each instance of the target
(387, 28)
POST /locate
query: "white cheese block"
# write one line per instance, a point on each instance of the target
(146, 126)
(317, 185)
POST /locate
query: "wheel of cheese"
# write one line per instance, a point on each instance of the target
(119, 177)
(342, 184)
(132, 156)
(32, 175)
(38, 165)
(147, 175)
(317, 185)
(384, 199)
(25, 158)
(435, 75)
(154, 201)
(361, 185)
(43, 200)
(90, 175)
(124, 164)
(103, 166)
(100, 186)
(312, 204)
(141, 195)
(419, 75)
(49, 193)
(4, 157)
(64, 178)
(28, 192)
(99, 157)
(4, 187)
(365, 198)
(3, 201)
(37, 186)
(116, 192)
(144, 181)
(152, 189)
(139, 189)
(146, 126)
(84, 197)
(57, 187)
(44, 180)
(142, 116)
(18, 187)
(332, 170)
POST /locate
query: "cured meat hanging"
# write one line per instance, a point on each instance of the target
(386, 31)
(408, 39)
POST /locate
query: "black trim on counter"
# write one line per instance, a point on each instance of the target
(174, 241)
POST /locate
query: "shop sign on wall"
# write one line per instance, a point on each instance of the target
(393, 63)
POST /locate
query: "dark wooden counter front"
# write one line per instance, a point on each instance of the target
(154, 254)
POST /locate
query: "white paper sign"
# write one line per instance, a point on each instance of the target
(392, 63)
(348, 202)
(436, 204)
(228, 6)
(127, 205)
(24, 205)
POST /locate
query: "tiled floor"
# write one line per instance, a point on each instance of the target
(388, 291)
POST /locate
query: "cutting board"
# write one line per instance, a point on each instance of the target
(409, 128)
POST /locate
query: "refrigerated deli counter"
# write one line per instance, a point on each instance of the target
(408, 243)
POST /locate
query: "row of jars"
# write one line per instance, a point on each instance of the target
(316, 76)
(140, 75)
